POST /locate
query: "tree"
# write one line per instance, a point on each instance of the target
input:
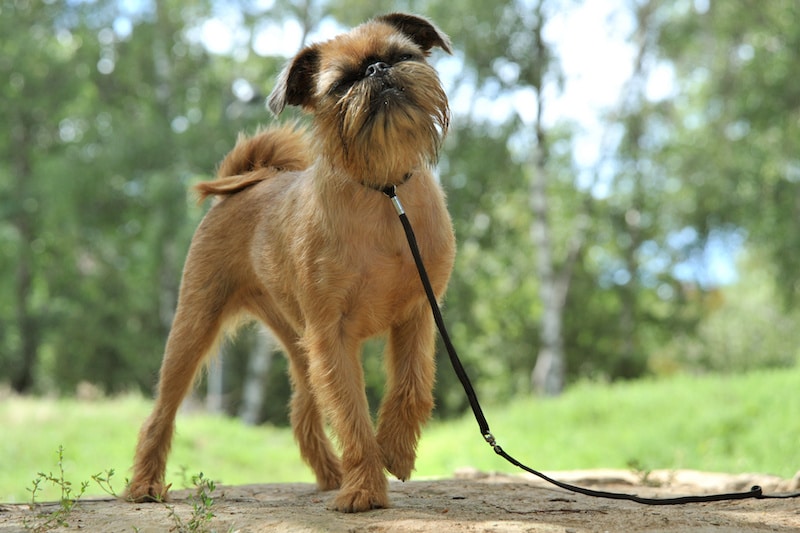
(517, 260)
(41, 56)
(111, 115)
(513, 61)
(742, 329)
(736, 132)
(549, 372)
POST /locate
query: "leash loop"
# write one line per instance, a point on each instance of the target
(755, 492)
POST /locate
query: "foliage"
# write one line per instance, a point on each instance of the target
(202, 506)
(737, 124)
(742, 329)
(111, 112)
(148, 112)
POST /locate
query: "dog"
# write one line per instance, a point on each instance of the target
(301, 237)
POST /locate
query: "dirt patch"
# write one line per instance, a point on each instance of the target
(471, 501)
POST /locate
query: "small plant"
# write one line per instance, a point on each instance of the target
(202, 506)
(69, 497)
(202, 502)
(644, 474)
(103, 480)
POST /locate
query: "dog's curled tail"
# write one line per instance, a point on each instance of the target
(283, 148)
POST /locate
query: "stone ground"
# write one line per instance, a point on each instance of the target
(471, 501)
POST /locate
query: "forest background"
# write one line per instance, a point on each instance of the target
(659, 235)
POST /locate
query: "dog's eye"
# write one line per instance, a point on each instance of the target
(342, 86)
(405, 57)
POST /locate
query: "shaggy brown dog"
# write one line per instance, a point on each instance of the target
(302, 239)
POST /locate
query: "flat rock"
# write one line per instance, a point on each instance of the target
(471, 501)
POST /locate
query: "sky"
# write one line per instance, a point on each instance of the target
(595, 73)
(591, 41)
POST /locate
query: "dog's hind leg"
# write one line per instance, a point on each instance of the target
(408, 401)
(337, 381)
(195, 330)
(309, 428)
(308, 423)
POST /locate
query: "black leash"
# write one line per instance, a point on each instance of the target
(755, 492)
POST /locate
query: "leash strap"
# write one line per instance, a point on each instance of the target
(755, 492)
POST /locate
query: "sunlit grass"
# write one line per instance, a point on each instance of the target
(736, 423)
(743, 423)
(101, 435)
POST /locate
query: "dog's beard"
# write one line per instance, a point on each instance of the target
(385, 127)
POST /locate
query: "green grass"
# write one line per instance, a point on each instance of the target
(101, 435)
(741, 423)
(736, 423)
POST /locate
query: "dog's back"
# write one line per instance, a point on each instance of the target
(254, 159)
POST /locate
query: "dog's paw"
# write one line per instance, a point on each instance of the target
(359, 500)
(141, 492)
(400, 467)
(364, 488)
(398, 459)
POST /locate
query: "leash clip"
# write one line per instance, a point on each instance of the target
(391, 192)
(489, 438)
(398, 206)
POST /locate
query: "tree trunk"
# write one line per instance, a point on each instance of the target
(22, 380)
(27, 325)
(215, 383)
(255, 383)
(632, 102)
(548, 373)
(547, 377)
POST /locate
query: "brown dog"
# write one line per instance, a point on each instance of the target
(302, 239)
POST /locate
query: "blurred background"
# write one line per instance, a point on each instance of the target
(623, 176)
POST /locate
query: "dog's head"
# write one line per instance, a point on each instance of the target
(379, 109)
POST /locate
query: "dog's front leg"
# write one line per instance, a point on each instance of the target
(337, 380)
(407, 404)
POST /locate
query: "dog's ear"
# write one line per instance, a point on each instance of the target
(422, 31)
(295, 84)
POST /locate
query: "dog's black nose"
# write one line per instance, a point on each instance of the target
(377, 69)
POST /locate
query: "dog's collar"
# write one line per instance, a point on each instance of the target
(389, 190)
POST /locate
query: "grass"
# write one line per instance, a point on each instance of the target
(101, 435)
(737, 423)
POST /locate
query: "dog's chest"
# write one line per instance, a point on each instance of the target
(350, 262)
(389, 278)
(375, 282)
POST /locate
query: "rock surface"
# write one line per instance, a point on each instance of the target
(471, 501)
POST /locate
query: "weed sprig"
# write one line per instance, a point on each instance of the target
(44, 521)
(41, 521)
